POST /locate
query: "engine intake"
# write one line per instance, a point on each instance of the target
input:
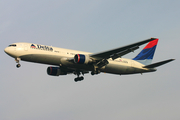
(55, 71)
(82, 59)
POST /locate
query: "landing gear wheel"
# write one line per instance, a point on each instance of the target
(75, 79)
(78, 79)
(18, 65)
(81, 78)
(95, 72)
(92, 73)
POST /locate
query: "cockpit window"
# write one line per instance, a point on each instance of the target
(12, 45)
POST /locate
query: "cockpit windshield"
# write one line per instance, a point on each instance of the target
(12, 45)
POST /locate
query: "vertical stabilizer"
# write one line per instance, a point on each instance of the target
(146, 55)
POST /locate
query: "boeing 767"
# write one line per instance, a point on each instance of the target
(66, 61)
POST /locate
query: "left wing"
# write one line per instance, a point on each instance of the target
(101, 58)
(118, 52)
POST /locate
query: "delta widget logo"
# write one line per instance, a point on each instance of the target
(33, 46)
(41, 47)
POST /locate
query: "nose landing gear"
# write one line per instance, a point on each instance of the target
(17, 61)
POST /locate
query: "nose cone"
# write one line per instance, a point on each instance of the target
(11, 51)
(6, 50)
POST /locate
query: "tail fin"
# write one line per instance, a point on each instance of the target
(146, 55)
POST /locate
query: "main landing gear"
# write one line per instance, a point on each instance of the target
(96, 71)
(17, 61)
(78, 78)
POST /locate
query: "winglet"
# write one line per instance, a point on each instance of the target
(158, 64)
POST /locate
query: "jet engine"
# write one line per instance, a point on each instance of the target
(82, 59)
(55, 71)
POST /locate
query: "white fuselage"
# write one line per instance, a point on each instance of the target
(59, 57)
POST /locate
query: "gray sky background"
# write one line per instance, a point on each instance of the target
(29, 93)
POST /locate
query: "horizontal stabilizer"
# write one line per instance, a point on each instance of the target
(158, 64)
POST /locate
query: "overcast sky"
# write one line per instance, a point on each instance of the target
(28, 93)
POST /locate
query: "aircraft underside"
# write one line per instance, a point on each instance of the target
(68, 67)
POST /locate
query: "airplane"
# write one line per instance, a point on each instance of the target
(66, 61)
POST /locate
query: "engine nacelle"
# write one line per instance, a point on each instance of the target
(55, 71)
(82, 59)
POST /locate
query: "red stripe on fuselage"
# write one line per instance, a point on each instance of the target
(151, 44)
(78, 58)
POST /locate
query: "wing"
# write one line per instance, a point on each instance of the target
(118, 52)
(100, 59)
